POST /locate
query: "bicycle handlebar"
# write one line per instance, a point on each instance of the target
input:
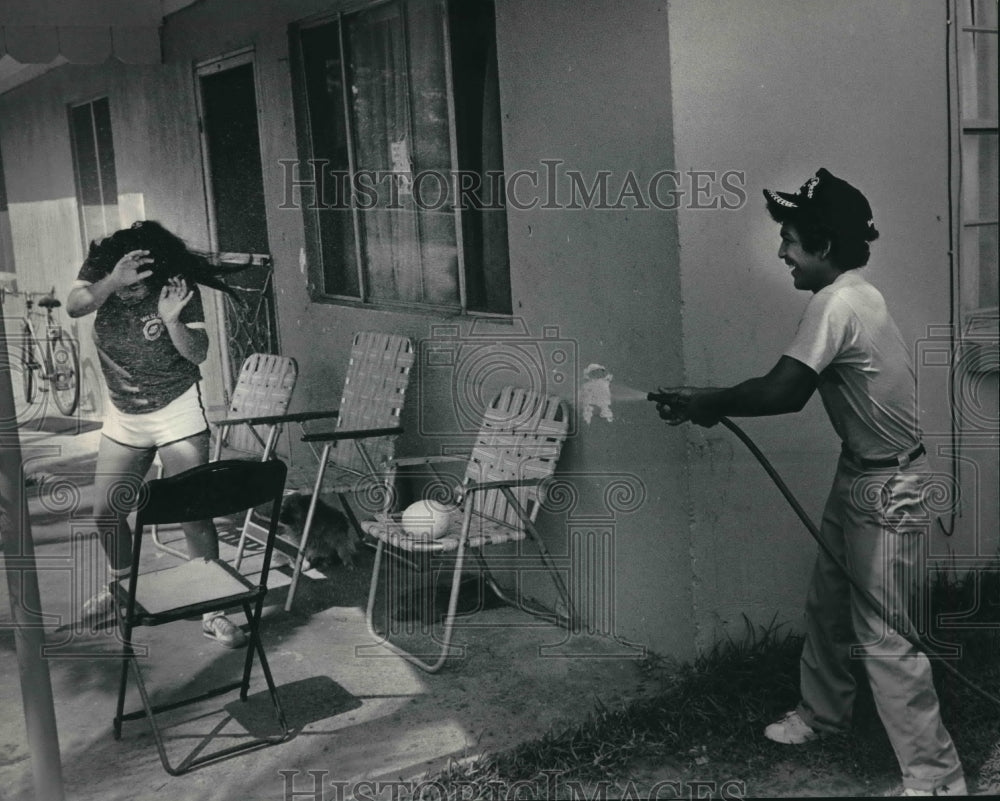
(28, 295)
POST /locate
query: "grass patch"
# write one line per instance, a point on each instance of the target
(706, 718)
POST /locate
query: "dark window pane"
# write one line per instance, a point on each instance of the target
(230, 107)
(328, 129)
(105, 152)
(3, 186)
(480, 154)
(94, 158)
(85, 150)
(432, 155)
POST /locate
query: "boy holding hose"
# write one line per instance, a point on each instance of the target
(848, 347)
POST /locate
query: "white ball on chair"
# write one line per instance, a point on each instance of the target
(426, 519)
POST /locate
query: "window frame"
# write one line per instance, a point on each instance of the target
(970, 308)
(305, 166)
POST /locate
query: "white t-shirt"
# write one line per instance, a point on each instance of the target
(865, 371)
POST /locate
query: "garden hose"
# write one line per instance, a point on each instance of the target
(912, 637)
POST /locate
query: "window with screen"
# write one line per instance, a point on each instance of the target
(401, 156)
(974, 114)
(94, 163)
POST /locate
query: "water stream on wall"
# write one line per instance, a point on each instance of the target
(597, 393)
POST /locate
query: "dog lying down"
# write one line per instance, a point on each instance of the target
(332, 539)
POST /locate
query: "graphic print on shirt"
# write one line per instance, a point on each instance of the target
(152, 327)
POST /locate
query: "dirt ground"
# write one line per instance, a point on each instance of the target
(354, 719)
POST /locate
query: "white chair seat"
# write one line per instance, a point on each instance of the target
(482, 532)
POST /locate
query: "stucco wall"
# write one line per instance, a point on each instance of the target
(602, 285)
(677, 532)
(586, 85)
(777, 89)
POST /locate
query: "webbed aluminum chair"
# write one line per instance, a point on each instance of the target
(516, 449)
(355, 457)
(260, 398)
(194, 587)
(255, 418)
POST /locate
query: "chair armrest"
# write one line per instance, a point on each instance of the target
(294, 417)
(410, 461)
(482, 486)
(363, 433)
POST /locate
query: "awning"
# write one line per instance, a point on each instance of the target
(83, 31)
(80, 44)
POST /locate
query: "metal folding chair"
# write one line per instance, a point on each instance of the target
(356, 456)
(202, 585)
(517, 448)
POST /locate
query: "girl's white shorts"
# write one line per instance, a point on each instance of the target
(183, 417)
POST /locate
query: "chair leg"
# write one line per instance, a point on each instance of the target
(149, 712)
(251, 650)
(155, 529)
(255, 646)
(556, 577)
(127, 656)
(247, 523)
(349, 513)
(449, 618)
(550, 565)
(300, 556)
(273, 433)
(518, 600)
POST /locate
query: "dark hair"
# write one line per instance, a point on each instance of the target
(171, 256)
(847, 251)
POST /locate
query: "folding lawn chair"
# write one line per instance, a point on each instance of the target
(357, 455)
(259, 401)
(262, 393)
(198, 586)
(498, 501)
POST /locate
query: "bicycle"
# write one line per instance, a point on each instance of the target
(56, 363)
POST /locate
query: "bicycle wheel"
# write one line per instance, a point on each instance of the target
(65, 377)
(28, 365)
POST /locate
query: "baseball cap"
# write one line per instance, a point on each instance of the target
(832, 201)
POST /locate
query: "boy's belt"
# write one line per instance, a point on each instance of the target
(895, 461)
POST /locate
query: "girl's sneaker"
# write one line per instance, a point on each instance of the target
(221, 629)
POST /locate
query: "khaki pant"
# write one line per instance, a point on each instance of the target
(875, 522)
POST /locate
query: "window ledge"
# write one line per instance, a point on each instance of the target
(443, 312)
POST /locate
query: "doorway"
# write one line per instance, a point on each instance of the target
(228, 110)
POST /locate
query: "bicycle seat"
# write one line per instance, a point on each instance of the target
(49, 302)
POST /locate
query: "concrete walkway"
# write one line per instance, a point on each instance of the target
(361, 717)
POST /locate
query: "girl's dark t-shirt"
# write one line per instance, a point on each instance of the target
(142, 368)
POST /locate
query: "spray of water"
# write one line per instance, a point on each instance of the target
(621, 392)
(598, 392)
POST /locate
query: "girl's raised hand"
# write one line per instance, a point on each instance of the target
(173, 298)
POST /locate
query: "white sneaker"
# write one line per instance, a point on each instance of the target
(790, 730)
(221, 629)
(98, 610)
(956, 787)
